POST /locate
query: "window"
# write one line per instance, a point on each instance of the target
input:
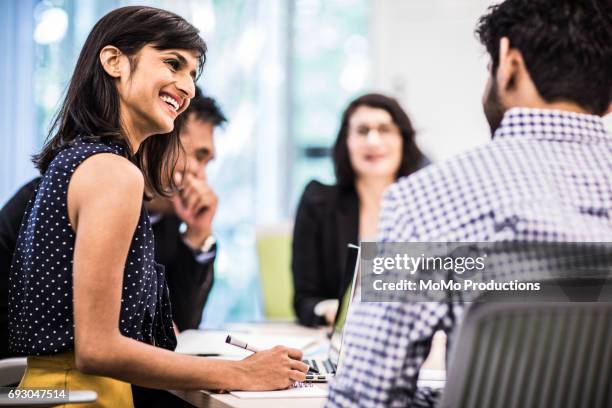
(282, 72)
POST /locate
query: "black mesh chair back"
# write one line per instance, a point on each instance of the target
(539, 350)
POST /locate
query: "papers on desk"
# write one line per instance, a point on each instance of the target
(212, 342)
(301, 391)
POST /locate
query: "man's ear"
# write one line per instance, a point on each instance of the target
(111, 60)
(609, 110)
(509, 64)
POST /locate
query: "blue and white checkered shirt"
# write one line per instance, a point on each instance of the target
(546, 176)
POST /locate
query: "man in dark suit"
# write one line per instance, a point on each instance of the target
(182, 225)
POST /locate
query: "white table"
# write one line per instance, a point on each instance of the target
(211, 400)
(192, 343)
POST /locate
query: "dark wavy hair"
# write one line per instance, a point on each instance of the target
(412, 158)
(566, 46)
(91, 106)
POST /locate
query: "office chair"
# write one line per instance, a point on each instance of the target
(74, 397)
(535, 350)
(274, 254)
(11, 371)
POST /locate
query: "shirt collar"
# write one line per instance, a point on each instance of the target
(551, 124)
(154, 218)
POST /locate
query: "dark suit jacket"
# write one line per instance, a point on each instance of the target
(327, 220)
(189, 282)
(10, 221)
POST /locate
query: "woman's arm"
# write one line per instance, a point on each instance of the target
(104, 203)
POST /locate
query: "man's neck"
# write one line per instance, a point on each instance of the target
(560, 105)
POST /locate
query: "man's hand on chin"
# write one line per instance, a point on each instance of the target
(195, 204)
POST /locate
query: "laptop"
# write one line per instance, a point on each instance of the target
(331, 365)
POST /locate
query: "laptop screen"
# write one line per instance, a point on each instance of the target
(352, 268)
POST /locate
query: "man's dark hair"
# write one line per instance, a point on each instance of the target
(91, 106)
(205, 109)
(566, 46)
(412, 158)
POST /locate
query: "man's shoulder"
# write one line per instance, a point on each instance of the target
(165, 225)
(453, 174)
(22, 196)
(441, 199)
(12, 212)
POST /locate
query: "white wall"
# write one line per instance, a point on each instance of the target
(425, 53)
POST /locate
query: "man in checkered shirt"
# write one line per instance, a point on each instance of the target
(545, 176)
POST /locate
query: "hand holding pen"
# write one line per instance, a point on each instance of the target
(244, 345)
(273, 369)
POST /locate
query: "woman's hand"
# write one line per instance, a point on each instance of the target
(273, 369)
(330, 315)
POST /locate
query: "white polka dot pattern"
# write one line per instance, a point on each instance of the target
(40, 282)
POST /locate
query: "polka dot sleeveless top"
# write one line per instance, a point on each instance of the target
(40, 282)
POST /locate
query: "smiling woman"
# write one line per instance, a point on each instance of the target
(154, 88)
(171, 51)
(88, 304)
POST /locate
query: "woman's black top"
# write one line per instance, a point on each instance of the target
(327, 220)
(40, 283)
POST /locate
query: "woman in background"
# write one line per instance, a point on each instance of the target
(88, 304)
(374, 147)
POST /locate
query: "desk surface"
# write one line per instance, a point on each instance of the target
(204, 399)
(214, 400)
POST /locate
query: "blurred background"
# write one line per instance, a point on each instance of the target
(283, 71)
